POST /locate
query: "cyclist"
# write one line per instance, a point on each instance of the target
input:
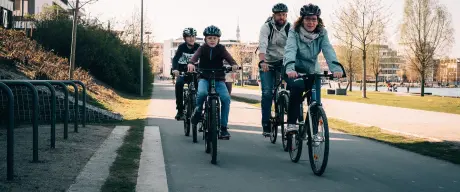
(184, 52)
(306, 40)
(272, 40)
(211, 55)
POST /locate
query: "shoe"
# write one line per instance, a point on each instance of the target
(291, 128)
(267, 131)
(224, 132)
(179, 115)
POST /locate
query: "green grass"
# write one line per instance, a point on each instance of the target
(427, 103)
(440, 150)
(124, 170)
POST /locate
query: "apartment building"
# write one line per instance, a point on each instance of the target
(449, 71)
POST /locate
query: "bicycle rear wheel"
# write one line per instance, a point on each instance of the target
(191, 105)
(213, 128)
(318, 140)
(282, 112)
(187, 113)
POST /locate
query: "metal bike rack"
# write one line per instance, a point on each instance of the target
(53, 110)
(10, 133)
(34, 114)
(84, 101)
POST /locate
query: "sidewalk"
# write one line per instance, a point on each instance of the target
(427, 124)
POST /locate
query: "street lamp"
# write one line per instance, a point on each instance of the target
(142, 49)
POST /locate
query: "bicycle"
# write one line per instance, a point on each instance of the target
(281, 100)
(189, 103)
(211, 121)
(315, 113)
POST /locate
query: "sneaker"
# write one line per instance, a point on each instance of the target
(292, 128)
(179, 115)
(267, 131)
(224, 132)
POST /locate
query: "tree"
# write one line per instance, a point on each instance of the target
(361, 19)
(352, 64)
(132, 28)
(237, 53)
(76, 8)
(426, 31)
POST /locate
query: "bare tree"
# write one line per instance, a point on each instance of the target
(132, 28)
(76, 9)
(426, 31)
(361, 19)
(237, 53)
(374, 55)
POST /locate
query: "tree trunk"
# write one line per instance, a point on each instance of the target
(422, 86)
(74, 41)
(350, 81)
(376, 82)
(364, 72)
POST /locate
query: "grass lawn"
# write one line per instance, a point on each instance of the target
(441, 150)
(428, 103)
(124, 170)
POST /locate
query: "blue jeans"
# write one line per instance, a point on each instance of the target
(221, 89)
(267, 80)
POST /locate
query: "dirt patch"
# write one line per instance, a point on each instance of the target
(58, 167)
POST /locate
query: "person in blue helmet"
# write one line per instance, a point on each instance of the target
(179, 64)
(306, 40)
(211, 55)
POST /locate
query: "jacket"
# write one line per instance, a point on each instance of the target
(303, 57)
(273, 50)
(212, 58)
(183, 54)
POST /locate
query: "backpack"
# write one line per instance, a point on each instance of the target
(270, 35)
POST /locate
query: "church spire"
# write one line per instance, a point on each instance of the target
(238, 30)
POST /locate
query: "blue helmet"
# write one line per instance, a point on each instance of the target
(212, 31)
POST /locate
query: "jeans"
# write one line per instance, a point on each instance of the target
(229, 87)
(297, 88)
(267, 80)
(221, 89)
(179, 93)
(179, 89)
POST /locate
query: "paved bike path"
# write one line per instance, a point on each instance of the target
(435, 125)
(249, 162)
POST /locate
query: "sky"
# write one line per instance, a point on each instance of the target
(169, 17)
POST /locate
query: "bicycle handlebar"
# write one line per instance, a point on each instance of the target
(225, 69)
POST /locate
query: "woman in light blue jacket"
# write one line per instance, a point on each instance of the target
(305, 41)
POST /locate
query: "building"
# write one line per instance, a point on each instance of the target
(6, 13)
(24, 8)
(390, 64)
(449, 71)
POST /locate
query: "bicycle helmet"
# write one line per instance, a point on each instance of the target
(212, 31)
(310, 10)
(280, 7)
(189, 32)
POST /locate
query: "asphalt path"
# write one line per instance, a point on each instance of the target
(249, 162)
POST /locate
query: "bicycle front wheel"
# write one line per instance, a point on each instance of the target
(187, 114)
(318, 140)
(213, 129)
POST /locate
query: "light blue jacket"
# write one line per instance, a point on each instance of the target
(303, 57)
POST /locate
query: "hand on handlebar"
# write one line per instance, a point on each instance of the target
(264, 67)
(337, 74)
(235, 67)
(175, 72)
(292, 74)
(190, 68)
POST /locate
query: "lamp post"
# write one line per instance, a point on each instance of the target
(142, 49)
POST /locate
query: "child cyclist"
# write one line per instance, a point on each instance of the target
(211, 55)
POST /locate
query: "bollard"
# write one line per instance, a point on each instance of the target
(10, 133)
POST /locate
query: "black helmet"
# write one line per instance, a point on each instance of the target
(309, 10)
(189, 32)
(212, 31)
(280, 7)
